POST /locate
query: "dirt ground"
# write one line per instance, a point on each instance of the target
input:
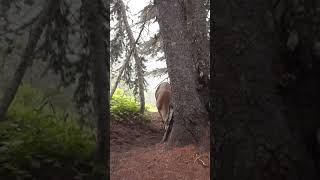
(136, 154)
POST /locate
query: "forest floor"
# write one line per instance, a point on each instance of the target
(136, 154)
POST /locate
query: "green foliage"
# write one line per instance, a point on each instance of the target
(151, 108)
(38, 140)
(124, 107)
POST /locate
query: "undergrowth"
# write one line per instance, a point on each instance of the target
(39, 140)
(124, 107)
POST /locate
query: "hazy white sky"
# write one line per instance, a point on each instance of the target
(134, 7)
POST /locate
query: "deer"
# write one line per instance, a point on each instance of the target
(165, 109)
(163, 100)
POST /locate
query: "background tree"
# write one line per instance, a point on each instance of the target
(138, 83)
(138, 60)
(252, 132)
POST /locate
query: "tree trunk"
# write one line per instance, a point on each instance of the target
(190, 115)
(251, 134)
(98, 56)
(138, 60)
(196, 14)
(27, 56)
(301, 94)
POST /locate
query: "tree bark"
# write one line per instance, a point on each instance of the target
(196, 15)
(251, 134)
(301, 94)
(98, 57)
(196, 23)
(27, 56)
(138, 60)
(190, 115)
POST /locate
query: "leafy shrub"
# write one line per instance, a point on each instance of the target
(124, 107)
(29, 99)
(151, 108)
(37, 140)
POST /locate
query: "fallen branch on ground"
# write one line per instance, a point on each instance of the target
(200, 160)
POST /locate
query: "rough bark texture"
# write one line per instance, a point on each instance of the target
(190, 115)
(196, 24)
(251, 134)
(138, 60)
(27, 56)
(98, 56)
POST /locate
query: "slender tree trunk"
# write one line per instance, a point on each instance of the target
(141, 85)
(27, 56)
(251, 134)
(98, 56)
(190, 115)
(138, 60)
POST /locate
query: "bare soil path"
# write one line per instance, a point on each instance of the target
(136, 154)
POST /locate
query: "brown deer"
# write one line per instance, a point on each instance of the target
(163, 99)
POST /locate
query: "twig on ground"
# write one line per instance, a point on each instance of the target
(200, 160)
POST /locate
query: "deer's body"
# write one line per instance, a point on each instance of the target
(163, 99)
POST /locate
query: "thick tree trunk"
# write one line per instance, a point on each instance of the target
(138, 60)
(301, 94)
(190, 115)
(27, 56)
(98, 56)
(196, 23)
(196, 14)
(251, 134)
